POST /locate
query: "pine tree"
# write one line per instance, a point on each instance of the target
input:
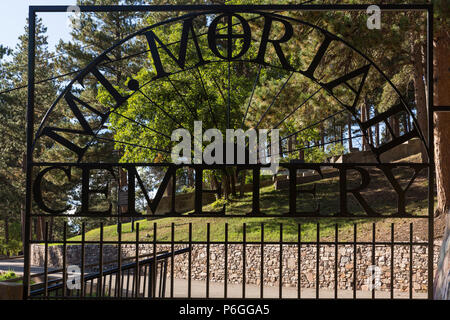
(13, 116)
(92, 34)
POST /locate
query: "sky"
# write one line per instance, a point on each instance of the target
(13, 15)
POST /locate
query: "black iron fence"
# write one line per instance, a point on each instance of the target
(339, 261)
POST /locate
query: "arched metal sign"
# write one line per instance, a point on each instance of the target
(232, 38)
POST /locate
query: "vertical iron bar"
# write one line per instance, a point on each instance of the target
(128, 282)
(151, 267)
(160, 278)
(280, 282)
(244, 248)
(154, 267)
(392, 261)
(100, 262)
(110, 285)
(145, 281)
(336, 260)
(172, 257)
(261, 294)
(64, 257)
(410, 260)
(299, 261)
(29, 156)
(122, 283)
(208, 240)
(190, 261)
(431, 170)
(83, 239)
(354, 259)
(225, 288)
(46, 260)
(103, 287)
(229, 80)
(137, 273)
(119, 253)
(317, 260)
(373, 259)
(163, 280)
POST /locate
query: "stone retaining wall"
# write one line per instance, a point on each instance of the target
(271, 263)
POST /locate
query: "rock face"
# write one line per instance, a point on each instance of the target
(274, 268)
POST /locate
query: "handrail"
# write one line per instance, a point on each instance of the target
(110, 271)
(93, 265)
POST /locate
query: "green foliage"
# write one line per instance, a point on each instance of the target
(12, 124)
(219, 203)
(7, 275)
(336, 149)
(13, 247)
(187, 189)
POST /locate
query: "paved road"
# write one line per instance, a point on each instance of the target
(198, 288)
(253, 291)
(16, 265)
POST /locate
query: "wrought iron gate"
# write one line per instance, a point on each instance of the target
(151, 274)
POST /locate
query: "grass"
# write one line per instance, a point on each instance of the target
(9, 275)
(381, 198)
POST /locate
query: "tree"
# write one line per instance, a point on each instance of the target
(180, 99)
(442, 134)
(442, 98)
(13, 115)
(92, 34)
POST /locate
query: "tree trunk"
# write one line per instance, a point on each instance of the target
(242, 183)
(405, 123)
(215, 184)
(226, 185)
(290, 145)
(7, 233)
(50, 232)
(40, 229)
(420, 93)
(301, 153)
(365, 146)
(322, 136)
(350, 140)
(22, 222)
(377, 130)
(395, 126)
(122, 183)
(408, 122)
(442, 121)
(233, 183)
(190, 177)
(369, 131)
(442, 160)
